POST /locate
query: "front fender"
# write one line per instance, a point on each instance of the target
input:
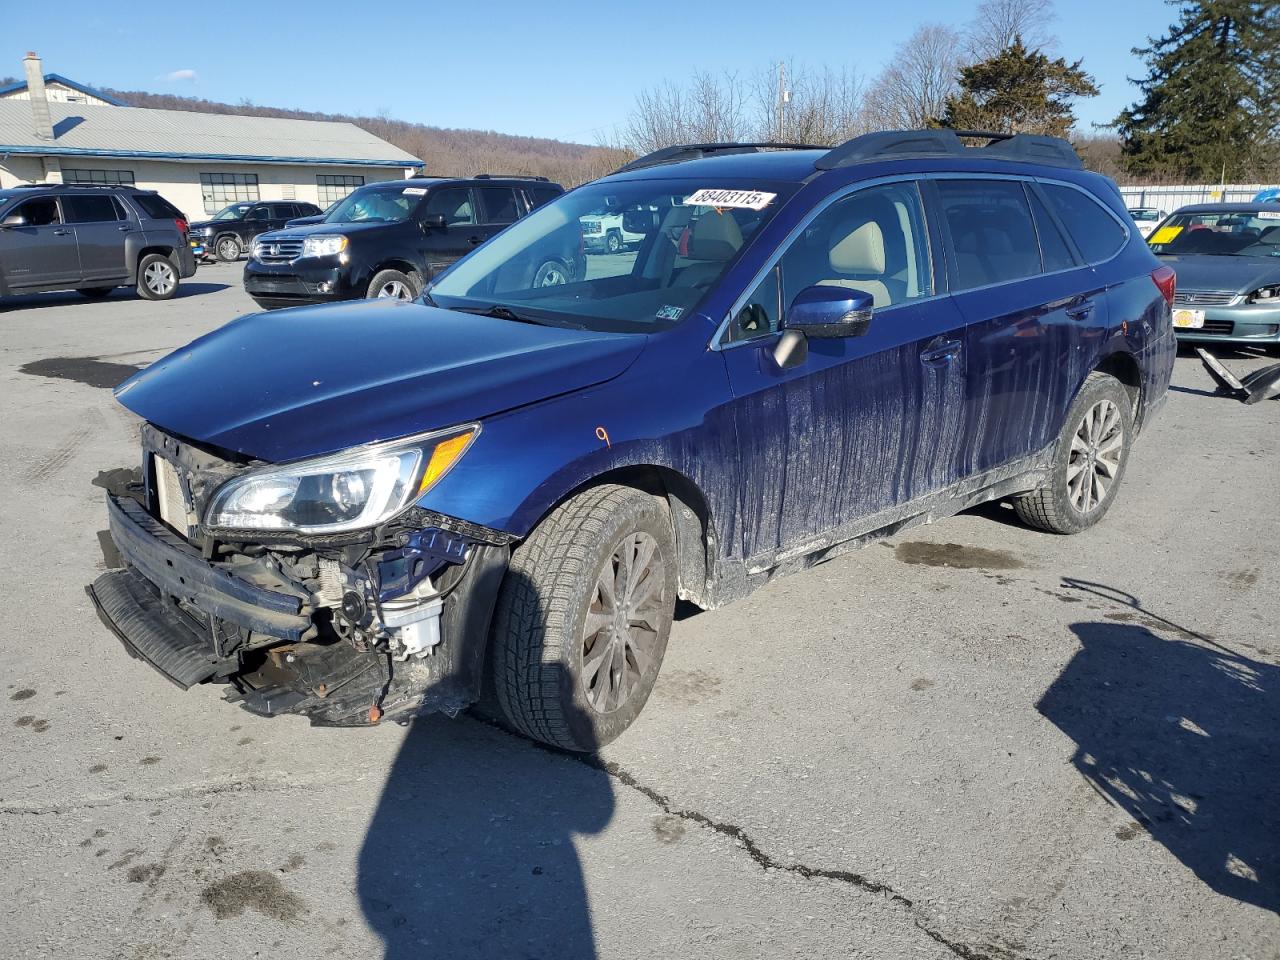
(661, 413)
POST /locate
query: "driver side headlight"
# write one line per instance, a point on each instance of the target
(1269, 295)
(320, 246)
(352, 490)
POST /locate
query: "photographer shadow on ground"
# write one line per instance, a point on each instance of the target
(1184, 738)
(471, 850)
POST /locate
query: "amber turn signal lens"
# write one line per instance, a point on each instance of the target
(443, 457)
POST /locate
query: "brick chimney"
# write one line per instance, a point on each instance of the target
(39, 100)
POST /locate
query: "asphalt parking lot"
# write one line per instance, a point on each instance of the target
(973, 740)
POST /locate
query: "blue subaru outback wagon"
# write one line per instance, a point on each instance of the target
(499, 492)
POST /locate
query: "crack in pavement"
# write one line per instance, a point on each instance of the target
(744, 840)
(191, 792)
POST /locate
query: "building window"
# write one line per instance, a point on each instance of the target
(333, 187)
(118, 177)
(221, 189)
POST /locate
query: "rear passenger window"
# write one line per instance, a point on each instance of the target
(1054, 249)
(992, 235)
(540, 195)
(1097, 234)
(499, 204)
(90, 209)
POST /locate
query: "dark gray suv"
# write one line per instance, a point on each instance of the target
(91, 239)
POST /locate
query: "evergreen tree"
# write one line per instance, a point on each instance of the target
(1210, 104)
(1018, 91)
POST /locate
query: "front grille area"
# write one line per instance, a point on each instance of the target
(1219, 328)
(1204, 298)
(277, 251)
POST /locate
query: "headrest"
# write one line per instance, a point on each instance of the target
(715, 236)
(861, 251)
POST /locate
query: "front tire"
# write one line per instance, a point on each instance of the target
(1089, 463)
(551, 274)
(583, 618)
(157, 277)
(227, 249)
(394, 285)
(614, 242)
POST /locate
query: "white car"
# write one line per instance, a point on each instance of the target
(1147, 219)
(604, 232)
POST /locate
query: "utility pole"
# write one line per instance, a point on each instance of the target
(783, 96)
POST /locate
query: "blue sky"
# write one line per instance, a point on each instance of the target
(568, 69)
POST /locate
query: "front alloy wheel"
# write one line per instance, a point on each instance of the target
(550, 274)
(583, 617)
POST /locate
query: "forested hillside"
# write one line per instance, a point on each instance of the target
(447, 151)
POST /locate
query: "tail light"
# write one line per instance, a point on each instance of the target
(183, 227)
(1166, 282)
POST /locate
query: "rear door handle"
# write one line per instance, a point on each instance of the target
(124, 229)
(475, 241)
(1081, 311)
(940, 352)
(61, 233)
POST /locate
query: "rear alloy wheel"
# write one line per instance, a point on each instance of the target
(157, 277)
(392, 285)
(95, 293)
(550, 274)
(1093, 449)
(583, 618)
(227, 249)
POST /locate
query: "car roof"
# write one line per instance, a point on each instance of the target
(1251, 207)
(788, 165)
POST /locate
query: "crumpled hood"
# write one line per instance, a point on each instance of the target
(1241, 274)
(307, 381)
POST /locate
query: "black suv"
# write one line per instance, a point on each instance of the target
(91, 239)
(232, 230)
(390, 239)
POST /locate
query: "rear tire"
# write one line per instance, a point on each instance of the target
(157, 277)
(95, 293)
(1089, 463)
(394, 285)
(583, 618)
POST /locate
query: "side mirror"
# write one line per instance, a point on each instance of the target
(14, 220)
(434, 221)
(828, 312)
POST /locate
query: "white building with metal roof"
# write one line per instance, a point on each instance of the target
(200, 162)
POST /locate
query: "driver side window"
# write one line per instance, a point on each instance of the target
(454, 203)
(874, 240)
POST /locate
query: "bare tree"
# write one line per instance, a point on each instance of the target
(710, 110)
(823, 107)
(996, 24)
(913, 88)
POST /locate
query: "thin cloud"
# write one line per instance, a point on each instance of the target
(181, 76)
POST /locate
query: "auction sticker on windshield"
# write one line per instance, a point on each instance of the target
(744, 199)
(415, 191)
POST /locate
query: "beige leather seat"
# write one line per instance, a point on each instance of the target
(714, 240)
(860, 260)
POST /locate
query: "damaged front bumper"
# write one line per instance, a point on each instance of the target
(360, 640)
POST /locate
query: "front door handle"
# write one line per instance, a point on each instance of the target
(124, 229)
(939, 353)
(62, 233)
(1081, 311)
(475, 241)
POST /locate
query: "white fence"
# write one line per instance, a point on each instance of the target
(1170, 198)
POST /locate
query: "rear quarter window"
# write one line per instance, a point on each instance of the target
(155, 206)
(1097, 234)
(993, 238)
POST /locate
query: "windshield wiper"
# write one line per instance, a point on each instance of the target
(501, 312)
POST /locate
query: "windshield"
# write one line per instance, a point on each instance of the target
(621, 256)
(1145, 214)
(386, 203)
(234, 212)
(1221, 234)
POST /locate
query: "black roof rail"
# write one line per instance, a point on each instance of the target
(72, 186)
(694, 151)
(509, 176)
(944, 142)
